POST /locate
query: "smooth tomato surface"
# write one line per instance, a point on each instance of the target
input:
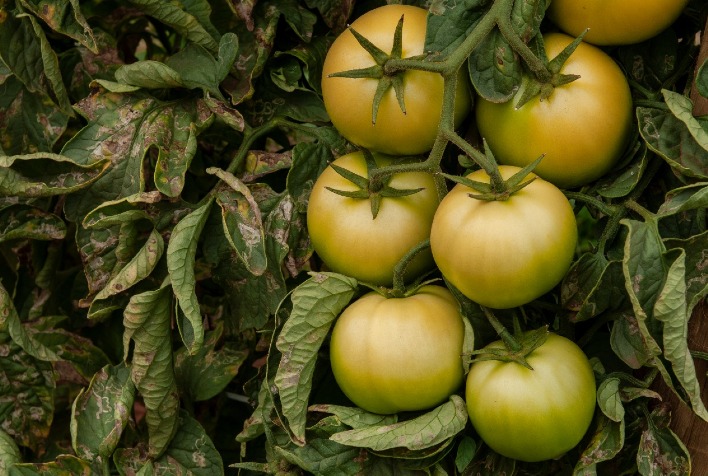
(615, 22)
(533, 415)
(582, 128)
(349, 101)
(350, 241)
(504, 254)
(399, 354)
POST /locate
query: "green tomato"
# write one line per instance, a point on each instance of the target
(399, 354)
(615, 22)
(504, 254)
(582, 127)
(533, 415)
(350, 241)
(349, 101)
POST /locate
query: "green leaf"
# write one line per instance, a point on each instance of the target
(354, 417)
(627, 342)
(181, 253)
(45, 174)
(686, 198)
(526, 16)
(28, 222)
(241, 218)
(27, 397)
(9, 452)
(207, 373)
(425, 431)
(147, 321)
(335, 13)
(101, 412)
(702, 79)
(609, 401)
(450, 23)
(149, 74)
(593, 285)
(671, 309)
(64, 465)
(311, 56)
(621, 183)
(661, 452)
(189, 18)
(652, 63)
(191, 452)
(316, 304)
(494, 70)
(669, 137)
(606, 443)
(465, 453)
(696, 277)
(65, 17)
(309, 161)
(682, 108)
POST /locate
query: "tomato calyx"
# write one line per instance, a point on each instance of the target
(388, 77)
(374, 187)
(535, 87)
(517, 347)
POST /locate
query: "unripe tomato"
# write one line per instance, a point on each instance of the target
(504, 254)
(615, 22)
(349, 101)
(399, 354)
(582, 127)
(533, 415)
(350, 241)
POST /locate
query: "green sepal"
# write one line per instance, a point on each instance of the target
(379, 55)
(356, 179)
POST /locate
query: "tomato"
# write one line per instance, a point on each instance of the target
(615, 22)
(350, 241)
(582, 127)
(399, 354)
(349, 101)
(533, 415)
(503, 254)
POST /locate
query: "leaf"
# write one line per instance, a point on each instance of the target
(661, 452)
(425, 431)
(9, 452)
(702, 79)
(316, 304)
(45, 174)
(147, 321)
(28, 222)
(207, 373)
(609, 401)
(621, 183)
(241, 218)
(465, 453)
(27, 397)
(323, 456)
(495, 71)
(181, 253)
(686, 198)
(696, 262)
(122, 128)
(682, 108)
(354, 417)
(672, 140)
(593, 285)
(607, 441)
(149, 74)
(450, 23)
(652, 63)
(101, 413)
(311, 56)
(192, 23)
(309, 161)
(671, 309)
(334, 12)
(64, 16)
(64, 465)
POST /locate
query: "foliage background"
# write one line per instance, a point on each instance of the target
(155, 163)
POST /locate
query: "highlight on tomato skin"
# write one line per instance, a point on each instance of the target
(582, 129)
(349, 101)
(615, 22)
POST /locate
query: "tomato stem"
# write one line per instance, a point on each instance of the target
(603, 207)
(399, 271)
(509, 340)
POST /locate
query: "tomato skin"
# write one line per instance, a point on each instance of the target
(504, 254)
(349, 101)
(399, 354)
(615, 22)
(350, 241)
(582, 127)
(533, 415)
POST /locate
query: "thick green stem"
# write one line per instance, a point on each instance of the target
(603, 207)
(509, 341)
(399, 272)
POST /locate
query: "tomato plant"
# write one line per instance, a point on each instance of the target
(399, 354)
(349, 101)
(577, 149)
(615, 22)
(533, 414)
(504, 253)
(348, 238)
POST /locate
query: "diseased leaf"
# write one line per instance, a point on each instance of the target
(661, 452)
(147, 320)
(682, 108)
(495, 71)
(64, 465)
(27, 222)
(316, 304)
(609, 401)
(334, 12)
(425, 431)
(205, 374)
(101, 412)
(607, 441)
(181, 253)
(593, 285)
(450, 23)
(323, 456)
(9, 452)
(354, 417)
(685, 198)
(64, 16)
(696, 263)
(621, 183)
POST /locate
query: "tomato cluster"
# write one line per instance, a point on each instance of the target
(502, 239)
